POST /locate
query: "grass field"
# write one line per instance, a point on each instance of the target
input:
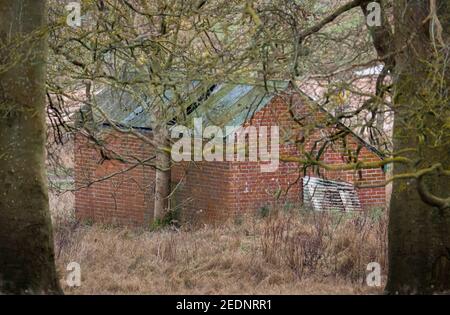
(284, 253)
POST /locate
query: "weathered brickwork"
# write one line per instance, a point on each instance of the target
(103, 192)
(213, 191)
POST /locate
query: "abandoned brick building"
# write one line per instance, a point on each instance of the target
(118, 191)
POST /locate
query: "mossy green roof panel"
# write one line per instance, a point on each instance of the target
(132, 107)
(220, 105)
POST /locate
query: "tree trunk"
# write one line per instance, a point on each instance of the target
(419, 232)
(26, 243)
(163, 174)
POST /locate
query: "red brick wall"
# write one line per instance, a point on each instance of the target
(212, 191)
(254, 189)
(205, 191)
(124, 198)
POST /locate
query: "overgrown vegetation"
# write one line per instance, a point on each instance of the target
(285, 252)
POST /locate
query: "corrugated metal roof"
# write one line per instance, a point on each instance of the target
(328, 195)
(132, 107)
(219, 105)
(225, 104)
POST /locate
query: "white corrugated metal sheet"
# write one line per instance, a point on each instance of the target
(328, 195)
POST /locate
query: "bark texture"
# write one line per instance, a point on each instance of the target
(163, 174)
(419, 231)
(26, 242)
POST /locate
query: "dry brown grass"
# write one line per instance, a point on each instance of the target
(282, 254)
